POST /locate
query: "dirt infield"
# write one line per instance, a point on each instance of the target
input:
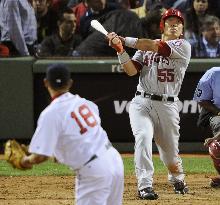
(59, 190)
(49, 190)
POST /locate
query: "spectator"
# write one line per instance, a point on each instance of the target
(149, 7)
(65, 40)
(96, 9)
(46, 18)
(176, 4)
(124, 22)
(151, 23)
(124, 4)
(141, 10)
(214, 7)
(180, 5)
(79, 11)
(73, 3)
(58, 5)
(136, 3)
(194, 17)
(208, 44)
(18, 27)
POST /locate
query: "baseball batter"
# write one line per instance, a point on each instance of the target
(154, 111)
(69, 129)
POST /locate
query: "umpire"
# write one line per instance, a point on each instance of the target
(207, 94)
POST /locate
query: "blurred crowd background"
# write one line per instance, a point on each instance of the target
(61, 28)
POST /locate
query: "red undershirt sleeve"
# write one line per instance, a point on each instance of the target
(164, 49)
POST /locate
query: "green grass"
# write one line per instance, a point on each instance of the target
(192, 165)
(46, 168)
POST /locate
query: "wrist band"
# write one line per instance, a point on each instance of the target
(123, 58)
(130, 42)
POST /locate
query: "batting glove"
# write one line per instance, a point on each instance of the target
(115, 42)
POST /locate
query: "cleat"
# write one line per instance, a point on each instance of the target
(147, 194)
(180, 187)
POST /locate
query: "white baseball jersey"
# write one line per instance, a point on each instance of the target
(70, 130)
(163, 75)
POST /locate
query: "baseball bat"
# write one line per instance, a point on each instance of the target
(99, 27)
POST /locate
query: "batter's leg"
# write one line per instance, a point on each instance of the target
(142, 128)
(167, 140)
(168, 149)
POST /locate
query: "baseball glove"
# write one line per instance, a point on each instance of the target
(14, 153)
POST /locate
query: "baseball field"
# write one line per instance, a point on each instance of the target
(53, 184)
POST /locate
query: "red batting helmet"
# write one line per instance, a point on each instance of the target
(168, 13)
(214, 149)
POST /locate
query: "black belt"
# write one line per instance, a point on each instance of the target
(155, 97)
(92, 158)
(107, 146)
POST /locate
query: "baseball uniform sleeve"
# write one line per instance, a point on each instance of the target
(204, 89)
(46, 135)
(180, 48)
(138, 57)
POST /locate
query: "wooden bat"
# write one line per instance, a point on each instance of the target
(99, 27)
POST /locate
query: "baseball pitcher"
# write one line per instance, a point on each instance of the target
(69, 129)
(153, 111)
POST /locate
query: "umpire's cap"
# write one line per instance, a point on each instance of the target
(58, 75)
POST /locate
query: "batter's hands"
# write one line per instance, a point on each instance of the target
(115, 42)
